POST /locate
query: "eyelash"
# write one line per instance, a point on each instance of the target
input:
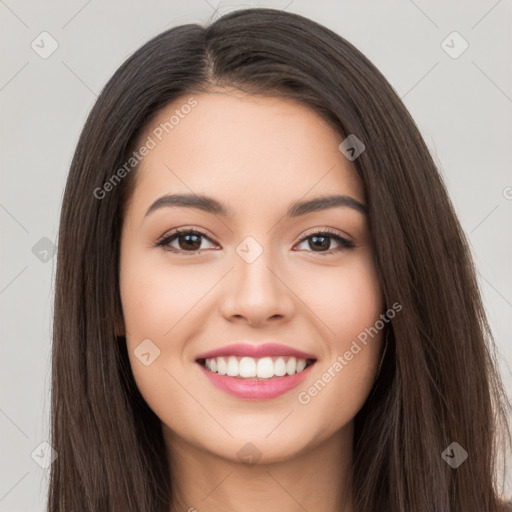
(174, 235)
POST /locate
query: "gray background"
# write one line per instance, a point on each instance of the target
(462, 105)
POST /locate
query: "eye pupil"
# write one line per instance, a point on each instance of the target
(196, 242)
(324, 245)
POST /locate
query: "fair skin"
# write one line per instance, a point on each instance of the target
(256, 156)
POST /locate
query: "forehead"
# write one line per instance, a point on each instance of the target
(240, 147)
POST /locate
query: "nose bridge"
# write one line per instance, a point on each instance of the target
(255, 290)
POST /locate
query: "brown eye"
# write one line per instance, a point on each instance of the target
(188, 241)
(321, 242)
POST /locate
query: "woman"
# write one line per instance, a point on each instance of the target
(264, 299)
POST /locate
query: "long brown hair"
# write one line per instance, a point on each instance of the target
(439, 382)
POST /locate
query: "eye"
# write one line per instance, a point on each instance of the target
(322, 240)
(189, 241)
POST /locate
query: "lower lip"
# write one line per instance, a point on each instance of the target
(251, 389)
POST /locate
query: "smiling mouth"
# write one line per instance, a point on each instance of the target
(248, 368)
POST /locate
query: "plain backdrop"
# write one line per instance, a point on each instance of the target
(461, 99)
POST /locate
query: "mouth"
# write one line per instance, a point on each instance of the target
(263, 378)
(256, 369)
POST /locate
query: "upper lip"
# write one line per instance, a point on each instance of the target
(256, 351)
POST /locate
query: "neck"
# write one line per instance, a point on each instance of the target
(316, 478)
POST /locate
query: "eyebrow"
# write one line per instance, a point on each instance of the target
(296, 209)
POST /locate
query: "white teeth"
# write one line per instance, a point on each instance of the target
(232, 367)
(248, 367)
(222, 367)
(265, 368)
(291, 366)
(280, 367)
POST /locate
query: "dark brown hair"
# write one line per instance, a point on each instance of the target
(439, 381)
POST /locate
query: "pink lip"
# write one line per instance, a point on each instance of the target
(256, 351)
(256, 389)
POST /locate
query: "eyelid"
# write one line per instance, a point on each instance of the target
(330, 231)
(183, 229)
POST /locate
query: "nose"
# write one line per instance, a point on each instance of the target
(256, 293)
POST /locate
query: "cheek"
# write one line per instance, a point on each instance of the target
(347, 302)
(345, 298)
(163, 304)
(156, 299)
(155, 296)
(151, 308)
(144, 302)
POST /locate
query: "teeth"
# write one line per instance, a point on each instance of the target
(248, 367)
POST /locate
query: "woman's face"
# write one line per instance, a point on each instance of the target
(258, 275)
